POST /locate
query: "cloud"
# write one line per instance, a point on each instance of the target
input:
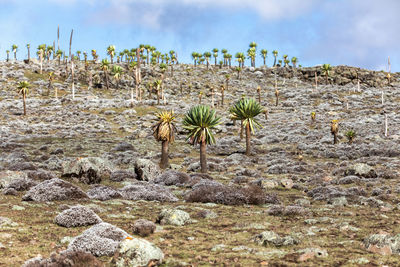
(358, 32)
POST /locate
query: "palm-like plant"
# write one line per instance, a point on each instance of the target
(264, 53)
(245, 110)
(111, 52)
(215, 55)
(200, 121)
(275, 53)
(335, 130)
(326, 70)
(157, 85)
(294, 61)
(105, 67)
(164, 131)
(117, 73)
(49, 51)
(8, 55)
(28, 46)
(240, 57)
(195, 57)
(41, 50)
(207, 56)
(251, 53)
(94, 55)
(14, 48)
(23, 88)
(351, 134)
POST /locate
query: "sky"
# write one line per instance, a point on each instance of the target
(361, 33)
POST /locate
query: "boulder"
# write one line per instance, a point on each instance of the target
(102, 192)
(121, 175)
(21, 184)
(77, 216)
(383, 243)
(361, 170)
(172, 177)
(134, 252)
(143, 227)
(53, 190)
(89, 170)
(146, 191)
(101, 239)
(7, 176)
(173, 217)
(270, 237)
(65, 259)
(146, 170)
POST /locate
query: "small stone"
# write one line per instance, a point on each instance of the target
(173, 217)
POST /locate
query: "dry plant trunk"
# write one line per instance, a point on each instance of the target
(164, 155)
(203, 158)
(248, 136)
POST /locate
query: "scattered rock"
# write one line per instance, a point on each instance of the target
(101, 239)
(146, 170)
(137, 252)
(270, 237)
(173, 217)
(143, 227)
(172, 177)
(89, 170)
(361, 170)
(64, 259)
(77, 216)
(102, 192)
(147, 191)
(54, 189)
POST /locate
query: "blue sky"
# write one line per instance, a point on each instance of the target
(360, 33)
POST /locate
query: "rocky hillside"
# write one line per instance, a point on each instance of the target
(80, 177)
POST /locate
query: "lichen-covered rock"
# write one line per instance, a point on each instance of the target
(173, 217)
(53, 190)
(121, 175)
(362, 170)
(147, 191)
(137, 252)
(89, 170)
(143, 227)
(384, 244)
(101, 239)
(7, 177)
(102, 192)
(270, 237)
(21, 184)
(146, 170)
(172, 177)
(77, 216)
(65, 259)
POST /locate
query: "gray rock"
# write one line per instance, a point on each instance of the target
(338, 201)
(88, 170)
(173, 217)
(21, 184)
(101, 239)
(362, 170)
(77, 216)
(146, 170)
(172, 177)
(147, 191)
(54, 189)
(121, 175)
(143, 227)
(383, 241)
(123, 146)
(270, 237)
(137, 252)
(102, 192)
(7, 176)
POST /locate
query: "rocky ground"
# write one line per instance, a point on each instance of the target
(81, 174)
